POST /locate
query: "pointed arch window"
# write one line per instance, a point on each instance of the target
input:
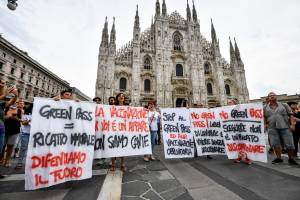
(147, 85)
(123, 84)
(179, 70)
(209, 89)
(147, 63)
(207, 69)
(177, 41)
(227, 89)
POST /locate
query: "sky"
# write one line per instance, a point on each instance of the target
(64, 36)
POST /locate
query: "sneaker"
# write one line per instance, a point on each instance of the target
(152, 158)
(248, 161)
(209, 157)
(277, 161)
(292, 162)
(238, 160)
(146, 159)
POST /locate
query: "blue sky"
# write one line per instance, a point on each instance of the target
(64, 36)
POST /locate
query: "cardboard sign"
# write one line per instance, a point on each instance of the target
(121, 131)
(243, 131)
(206, 126)
(61, 143)
(177, 134)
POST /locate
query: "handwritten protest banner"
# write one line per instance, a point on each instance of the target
(61, 143)
(243, 131)
(177, 135)
(121, 131)
(206, 126)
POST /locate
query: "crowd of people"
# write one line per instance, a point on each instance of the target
(282, 123)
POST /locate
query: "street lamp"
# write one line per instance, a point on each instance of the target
(12, 4)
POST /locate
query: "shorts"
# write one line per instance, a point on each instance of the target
(11, 139)
(284, 134)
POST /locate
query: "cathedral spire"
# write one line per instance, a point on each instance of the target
(195, 18)
(188, 11)
(104, 41)
(113, 33)
(136, 28)
(157, 9)
(232, 53)
(213, 33)
(164, 9)
(237, 51)
(137, 18)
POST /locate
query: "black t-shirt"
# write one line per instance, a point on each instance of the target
(297, 126)
(12, 126)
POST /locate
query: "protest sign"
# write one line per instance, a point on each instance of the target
(206, 126)
(243, 131)
(121, 131)
(177, 135)
(61, 143)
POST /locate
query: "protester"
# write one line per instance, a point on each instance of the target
(111, 101)
(5, 104)
(120, 101)
(20, 106)
(97, 100)
(12, 124)
(279, 121)
(153, 117)
(65, 94)
(242, 156)
(25, 133)
(296, 132)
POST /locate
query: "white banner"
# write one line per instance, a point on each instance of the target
(206, 126)
(243, 131)
(61, 143)
(121, 131)
(177, 135)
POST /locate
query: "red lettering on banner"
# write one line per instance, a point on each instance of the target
(66, 173)
(105, 125)
(128, 112)
(256, 113)
(173, 136)
(96, 125)
(114, 126)
(63, 158)
(199, 124)
(223, 115)
(246, 147)
(39, 181)
(195, 115)
(99, 112)
(122, 126)
(137, 126)
(182, 136)
(208, 115)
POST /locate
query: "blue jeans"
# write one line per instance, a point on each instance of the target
(153, 138)
(24, 146)
(2, 141)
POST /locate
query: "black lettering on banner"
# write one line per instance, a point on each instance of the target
(181, 118)
(204, 141)
(168, 117)
(213, 149)
(139, 141)
(179, 151)
(215, 124)
(209, 133)
(60, 113)
(242, 137)
(255, 129)
(235, 114)
(83, 115)
(99, 143)
(169, 128)
(185, 129)
(240, 127)
(79, 139)
(180, 143)
(50, 139)
(117, 141)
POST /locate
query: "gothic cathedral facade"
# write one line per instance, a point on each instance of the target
(170, 62)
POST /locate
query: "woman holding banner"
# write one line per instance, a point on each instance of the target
(120, 101)
(153, 118)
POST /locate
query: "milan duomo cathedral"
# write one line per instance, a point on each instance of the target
(170, 62)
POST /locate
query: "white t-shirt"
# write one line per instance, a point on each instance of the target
(26, 128)
(153, 118)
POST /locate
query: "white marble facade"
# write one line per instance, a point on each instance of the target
(170, 62)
